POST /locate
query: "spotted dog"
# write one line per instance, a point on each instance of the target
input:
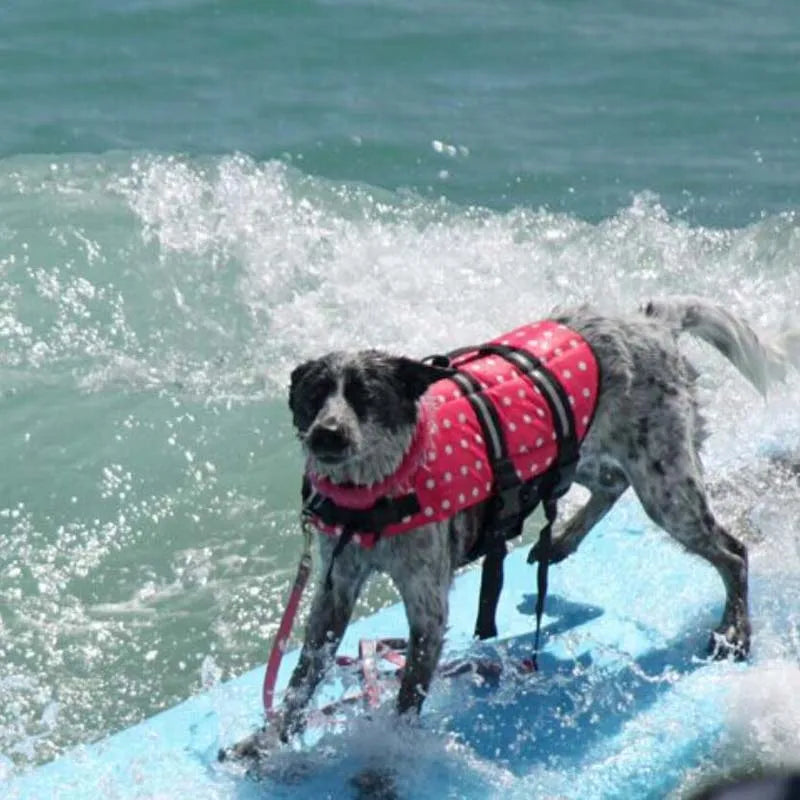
(361, 417)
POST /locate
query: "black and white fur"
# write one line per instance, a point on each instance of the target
(355, 415)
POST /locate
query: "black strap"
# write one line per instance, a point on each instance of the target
(386, 511)
(545, 537)
(345, 536)
(510, 503)
(552, 391)
(492, 572)
(505, 476)
(491, 585)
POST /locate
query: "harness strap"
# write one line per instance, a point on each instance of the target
(545, 536)
(513, 496)
(489, 421)
(491, 585)
(386, 511)
(344, 537)
(553, 392)
(508, 484)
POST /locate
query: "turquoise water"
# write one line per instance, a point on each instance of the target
(569, 105)
(196, 195)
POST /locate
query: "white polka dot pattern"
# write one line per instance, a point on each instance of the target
(454, 473)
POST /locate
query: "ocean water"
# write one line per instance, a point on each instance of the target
(196, 195)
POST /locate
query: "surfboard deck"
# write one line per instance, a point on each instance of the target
(625, 702)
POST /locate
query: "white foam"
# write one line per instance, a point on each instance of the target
(322, 265)
(408, 755)
(764, 716)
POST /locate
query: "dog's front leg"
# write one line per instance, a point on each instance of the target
(425, 647)
(424, 587)
(330, 613)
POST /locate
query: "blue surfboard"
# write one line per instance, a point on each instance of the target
(625, 703)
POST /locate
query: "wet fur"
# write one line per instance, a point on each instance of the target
(646, 434)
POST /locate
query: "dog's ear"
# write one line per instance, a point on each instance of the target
(295, 379)
(415, 377)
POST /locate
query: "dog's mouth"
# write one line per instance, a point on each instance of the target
(329, 459)
(329, 446)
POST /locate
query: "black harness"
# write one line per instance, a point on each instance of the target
(513, 499)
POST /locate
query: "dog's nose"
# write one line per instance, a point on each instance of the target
(328, 440)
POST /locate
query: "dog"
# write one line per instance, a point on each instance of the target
(357, 416)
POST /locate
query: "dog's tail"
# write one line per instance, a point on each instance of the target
(761, 362)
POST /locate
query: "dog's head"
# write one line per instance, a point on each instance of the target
(356, 413)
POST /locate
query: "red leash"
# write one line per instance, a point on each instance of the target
(287, 620)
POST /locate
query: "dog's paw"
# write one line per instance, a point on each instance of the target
(290, 724)
(254, 746)
(375, 784)
(728, 641)
(557, 552)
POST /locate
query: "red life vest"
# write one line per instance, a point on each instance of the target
(449, 465)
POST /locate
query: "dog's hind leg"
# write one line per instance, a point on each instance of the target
(575, 530)
(607, 482)
(674, 498)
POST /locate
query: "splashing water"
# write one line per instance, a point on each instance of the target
(150, 311)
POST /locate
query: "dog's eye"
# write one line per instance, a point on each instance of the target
(319, 394)
(311, 401)
(357, 394)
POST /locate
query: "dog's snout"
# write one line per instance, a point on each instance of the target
(328, 438)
